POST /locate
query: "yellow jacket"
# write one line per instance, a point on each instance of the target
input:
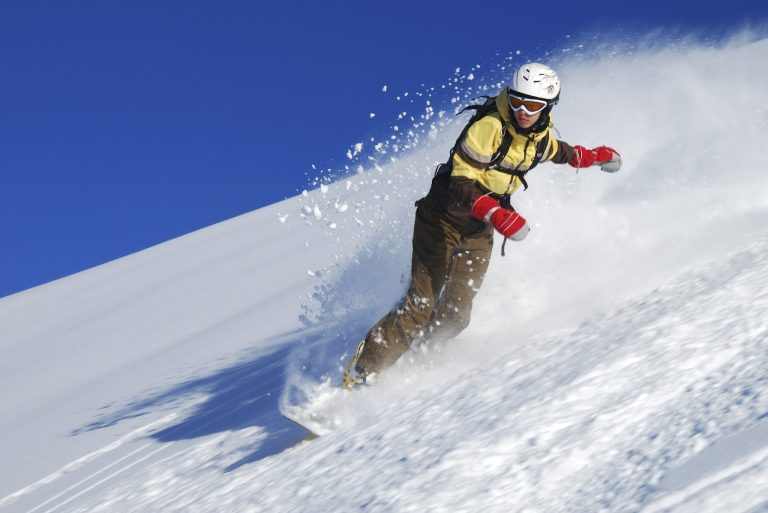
(484, 138)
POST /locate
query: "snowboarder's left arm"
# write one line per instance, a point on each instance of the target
(561, 152)
(577, 156)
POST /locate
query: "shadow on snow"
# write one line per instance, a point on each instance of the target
(248, 394)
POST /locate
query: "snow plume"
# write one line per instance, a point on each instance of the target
(691, 173)
(615, 360)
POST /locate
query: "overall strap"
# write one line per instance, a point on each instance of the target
(541, 147)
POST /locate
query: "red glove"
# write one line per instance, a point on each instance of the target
(600, 155)
(507, 222)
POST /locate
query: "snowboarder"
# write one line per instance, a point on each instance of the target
(468, 199)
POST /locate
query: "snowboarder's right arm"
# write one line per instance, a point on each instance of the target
(506, 221)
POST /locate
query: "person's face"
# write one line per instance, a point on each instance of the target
(526, 120)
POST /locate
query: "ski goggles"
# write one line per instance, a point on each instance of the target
(529, 105)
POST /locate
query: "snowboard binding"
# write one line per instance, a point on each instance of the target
(352, 379)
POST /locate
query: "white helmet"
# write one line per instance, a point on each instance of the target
(537, 80)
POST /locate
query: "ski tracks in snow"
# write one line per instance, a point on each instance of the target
(79, 465)
(729, 476)
(136, 451)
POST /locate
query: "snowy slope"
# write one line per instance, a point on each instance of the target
(616, 360)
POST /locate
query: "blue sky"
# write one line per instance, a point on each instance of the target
(125, 124)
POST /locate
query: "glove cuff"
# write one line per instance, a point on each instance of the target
(488, 216)
(483, 207)
(582, 157)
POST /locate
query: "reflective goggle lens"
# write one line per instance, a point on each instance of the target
(532, 106)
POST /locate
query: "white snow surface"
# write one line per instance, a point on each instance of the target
(617, 359)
